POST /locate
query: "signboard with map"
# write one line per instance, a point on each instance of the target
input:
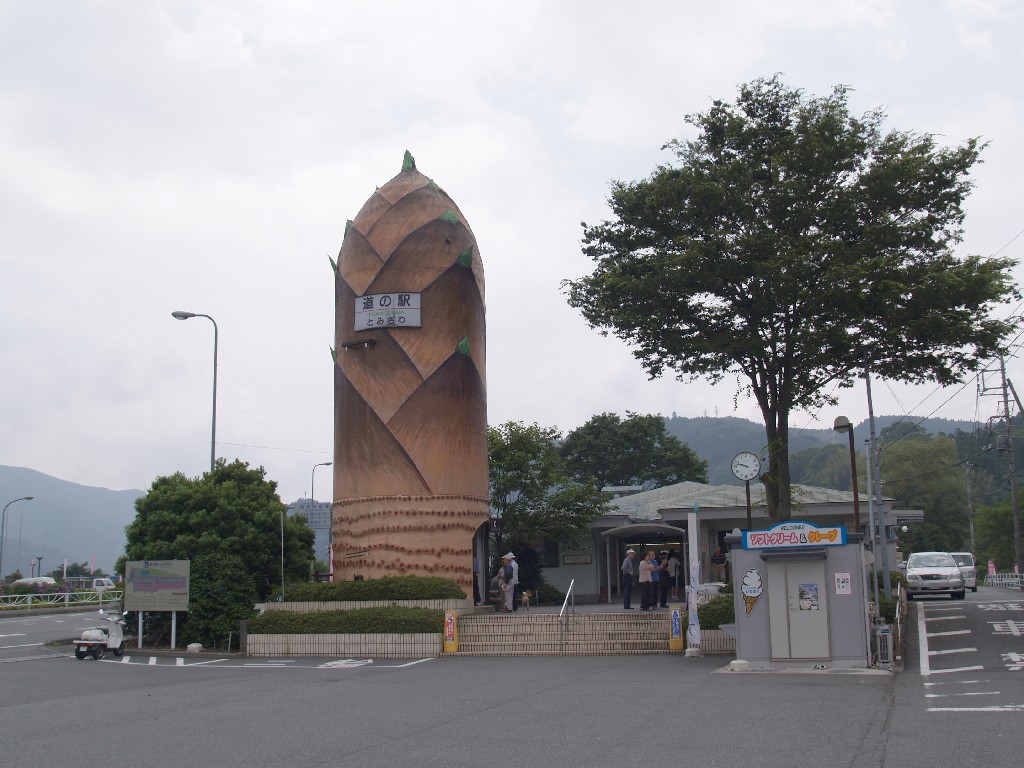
(156, 585)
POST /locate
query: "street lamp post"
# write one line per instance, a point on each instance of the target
(312, 497)
(179, 315)
(842, 424)
(3, 530)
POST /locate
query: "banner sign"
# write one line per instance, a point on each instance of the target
(795, 533)
(388, 310)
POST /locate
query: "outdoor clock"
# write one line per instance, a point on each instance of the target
(746, 465)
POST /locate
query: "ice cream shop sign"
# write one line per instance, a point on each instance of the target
(794, 533)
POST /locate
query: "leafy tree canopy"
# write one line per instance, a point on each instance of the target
(232, 510)
(791, 245)
(924, 472)
(638, 450)
(531, 490)
(221, 594)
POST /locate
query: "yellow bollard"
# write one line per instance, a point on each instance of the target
(451, 633)
(675, 637)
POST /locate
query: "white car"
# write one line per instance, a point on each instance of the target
(965, 562)
(35, 581)
(934, 573)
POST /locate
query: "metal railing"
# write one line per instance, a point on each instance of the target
(1006, 580)
(570, 618)
(59, 600)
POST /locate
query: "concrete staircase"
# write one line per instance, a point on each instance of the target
(583, 634)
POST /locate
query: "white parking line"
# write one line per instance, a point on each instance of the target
(1004, 708)
(946, 618)
(952, 650)
(969, 693)
(957, 669)
(949, 634)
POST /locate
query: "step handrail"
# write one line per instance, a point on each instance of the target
(569, 595)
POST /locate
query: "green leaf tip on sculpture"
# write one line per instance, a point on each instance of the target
(347, 225)
(334, 264)
(463, 346)
(433, 185)
(334, 355)
(408, 162)
(466, 258)
(450, 216)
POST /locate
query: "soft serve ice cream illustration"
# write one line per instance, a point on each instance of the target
(751, 589)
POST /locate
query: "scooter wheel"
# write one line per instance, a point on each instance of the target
(80, 652)
(119, 651)
(97, 652)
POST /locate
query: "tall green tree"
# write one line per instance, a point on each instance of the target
(232, 510)
(922, 471)
(531, 490)
(637, 450)
(791, 245)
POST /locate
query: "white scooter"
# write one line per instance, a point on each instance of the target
(99, 640)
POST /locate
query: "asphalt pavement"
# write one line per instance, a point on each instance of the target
(553, 711)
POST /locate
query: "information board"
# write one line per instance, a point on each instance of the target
(156, 585)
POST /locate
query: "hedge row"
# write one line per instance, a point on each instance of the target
(361, 621)
(714, 613)
(387, 588)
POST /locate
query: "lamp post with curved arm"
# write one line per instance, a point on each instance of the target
(3, 529)
(179, 315)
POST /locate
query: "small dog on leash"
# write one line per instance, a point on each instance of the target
(524, 600)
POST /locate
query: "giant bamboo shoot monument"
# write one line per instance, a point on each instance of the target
(410, 433)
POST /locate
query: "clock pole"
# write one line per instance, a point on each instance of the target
(750, 522)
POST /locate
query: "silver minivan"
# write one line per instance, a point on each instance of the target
(965, 562)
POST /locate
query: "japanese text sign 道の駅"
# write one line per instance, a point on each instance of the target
(387, 310)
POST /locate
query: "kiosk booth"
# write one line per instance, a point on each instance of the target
(800, 597)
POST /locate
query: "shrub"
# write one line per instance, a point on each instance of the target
(360, 621)
(222, 592)
(713, 614)
(546, 593)
(387, 588)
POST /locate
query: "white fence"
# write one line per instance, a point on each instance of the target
(1006, 580)
(59, 600)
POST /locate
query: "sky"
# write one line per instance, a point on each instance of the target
(205, 155)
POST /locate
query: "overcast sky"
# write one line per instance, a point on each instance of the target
(204, 156)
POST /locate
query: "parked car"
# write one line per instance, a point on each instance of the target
(965, 562)
(35, 580)
(934, 573)
(102, 584)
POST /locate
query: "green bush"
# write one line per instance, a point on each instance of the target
(548, 594)
(713, 614)
(360, 621)
(387, 588)
(887, 608)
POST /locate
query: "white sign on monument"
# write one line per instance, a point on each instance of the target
(388, 310)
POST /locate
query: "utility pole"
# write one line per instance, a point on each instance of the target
(880, 520)
(970, 505)
(1011, 457)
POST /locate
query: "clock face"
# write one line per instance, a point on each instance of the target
(746, 465)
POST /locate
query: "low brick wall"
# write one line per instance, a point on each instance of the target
(375, 645)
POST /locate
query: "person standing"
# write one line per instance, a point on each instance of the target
(476, 580)
(647, 566)
(505, 585)
(627, 579)
(718, 565)
(515, 580)
(673, 573)
(663, 579)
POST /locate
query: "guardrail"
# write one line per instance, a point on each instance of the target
(59, 600)
(1006, 580)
